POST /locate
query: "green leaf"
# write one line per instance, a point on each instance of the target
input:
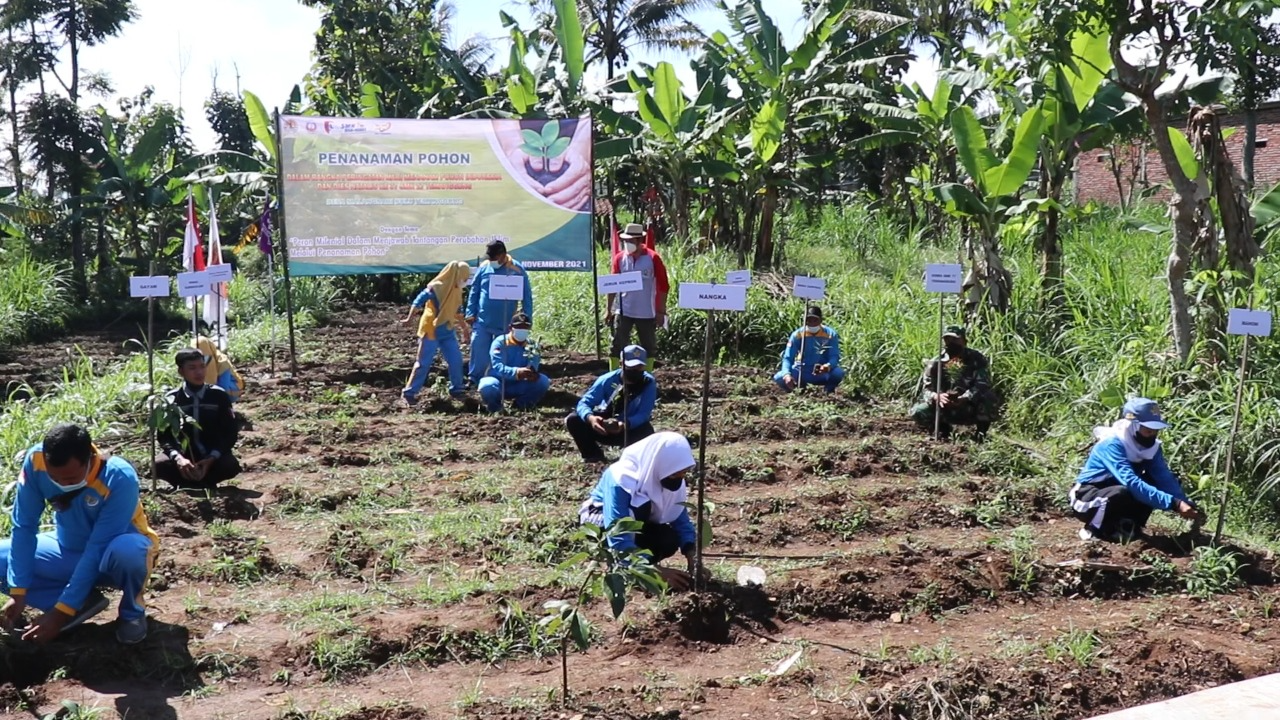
(558, 147)
(617, 147)
(960, 200)
(1186, 156)
(532, 151)
(1266, 211)
(260, 122)
(668, 93)
(971, 144)
(522, 95)
(531, 137)
(652, 116)
(550, 132)
(370, 102)
(573, 561)
(615, 588)
(766, 130)
(579, 630)
(1007, 177)
(941, 100)
(1091, 57)
(572, 43)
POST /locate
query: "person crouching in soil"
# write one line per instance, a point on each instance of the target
(648, 484)
(441, 305)
(1126, 478)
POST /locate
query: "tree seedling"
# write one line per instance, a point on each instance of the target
(614, 571)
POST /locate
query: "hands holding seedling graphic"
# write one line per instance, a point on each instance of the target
(560, 167)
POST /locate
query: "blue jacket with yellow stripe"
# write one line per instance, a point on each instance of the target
(820, 346)
(106, 508)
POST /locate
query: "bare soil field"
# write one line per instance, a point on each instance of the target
(381, 562)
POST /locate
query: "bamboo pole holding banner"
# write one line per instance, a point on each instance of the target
(1248, 323)
(595, 270)
(284, 247)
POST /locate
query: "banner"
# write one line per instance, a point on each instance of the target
(369, 195)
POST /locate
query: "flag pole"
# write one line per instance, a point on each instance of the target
(271, 295)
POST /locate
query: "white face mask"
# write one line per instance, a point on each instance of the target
(520, 334)
(72, 488)
(630, 247)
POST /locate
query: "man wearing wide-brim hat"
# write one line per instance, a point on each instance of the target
(645, 310)
(965, 396)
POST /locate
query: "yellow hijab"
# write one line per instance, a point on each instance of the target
(449, 291)
(217, 364)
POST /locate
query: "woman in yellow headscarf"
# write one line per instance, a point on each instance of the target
(219, 370)
(441, 304)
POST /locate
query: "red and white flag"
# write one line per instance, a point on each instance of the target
(215, 303)
(192, 253)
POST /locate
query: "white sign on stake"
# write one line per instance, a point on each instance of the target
(192, 284)
(219, 273)
(809, 288)
(620, 283)
(943, 278)
(144, 286)
(703, 296)
(738, 277)
(1249, 322)
(506, 287)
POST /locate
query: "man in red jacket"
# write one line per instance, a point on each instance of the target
(646, 309)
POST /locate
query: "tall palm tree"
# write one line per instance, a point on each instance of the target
(615, 28)
(941, 25)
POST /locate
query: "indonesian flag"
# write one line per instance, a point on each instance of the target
(192, 253)
(615, 246)
(215, 303)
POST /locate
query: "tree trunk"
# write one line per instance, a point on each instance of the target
(764, 245)
(15, 147)
(1250, 146)
(988, 281)
(1182, 209)
(79, 278)
(1049, 242)
(104, 256)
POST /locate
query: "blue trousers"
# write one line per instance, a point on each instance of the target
(481, 341)
(522, 393)
(125, 565)
(828, 381)
(447, 343)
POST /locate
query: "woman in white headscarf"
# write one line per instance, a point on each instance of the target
(648, 484)
(1126, 478)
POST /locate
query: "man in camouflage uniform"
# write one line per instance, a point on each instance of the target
(966, 397)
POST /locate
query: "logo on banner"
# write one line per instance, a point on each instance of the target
(291, 124)
(311, 127)
(382, 127)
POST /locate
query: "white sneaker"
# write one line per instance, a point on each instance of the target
(1087, 535)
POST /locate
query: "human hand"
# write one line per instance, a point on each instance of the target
(944, 399)
(405, 320)
(614, 427)
(789, 381)
(676, 580)
(660, 320)
(823, 368)
(1188, 511)
(46, 627)
(572, 190)
(526, 374)
(12, 613)
(186, 468)
(597, 424)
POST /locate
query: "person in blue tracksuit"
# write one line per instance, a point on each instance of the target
(1126, 478)
(812, 356)
(617, 409)
(100, 537)
(513, 370)
(648, 484)
(489, 317)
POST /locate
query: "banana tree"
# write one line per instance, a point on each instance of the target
(988, 199)
(784, 88)
(679, 138)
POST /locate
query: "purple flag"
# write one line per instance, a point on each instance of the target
(264, 229)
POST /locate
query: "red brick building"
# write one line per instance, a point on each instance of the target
(1140, 168)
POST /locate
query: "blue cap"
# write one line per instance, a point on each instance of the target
(634, 356)
(1144, 412)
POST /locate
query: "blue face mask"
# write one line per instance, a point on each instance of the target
(520, 334)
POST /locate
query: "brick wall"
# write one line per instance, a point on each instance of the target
(1096, 181)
